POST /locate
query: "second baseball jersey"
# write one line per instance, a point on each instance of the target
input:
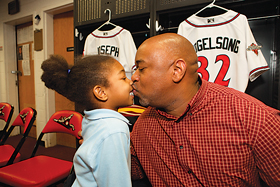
(227, 51)
(117, 42)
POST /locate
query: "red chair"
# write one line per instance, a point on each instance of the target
(44, 170)
(6, 113)
(9, 154)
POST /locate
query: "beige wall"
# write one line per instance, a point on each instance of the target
(44, 98)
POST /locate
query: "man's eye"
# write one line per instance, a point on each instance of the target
(134, 68)
(141, 69)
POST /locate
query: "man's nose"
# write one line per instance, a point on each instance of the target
(135, 76)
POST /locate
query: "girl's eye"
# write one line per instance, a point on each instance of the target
(124, 78)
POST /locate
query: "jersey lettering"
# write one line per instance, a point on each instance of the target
(202, 70)
(109, 50)
(225, 43)
(223, 71)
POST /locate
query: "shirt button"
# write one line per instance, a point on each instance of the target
(190, 114)
(190, 171)
(181, 147)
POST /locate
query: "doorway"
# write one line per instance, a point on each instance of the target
(25, 69)
(63, 29)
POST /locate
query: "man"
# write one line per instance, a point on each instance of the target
(196, 133)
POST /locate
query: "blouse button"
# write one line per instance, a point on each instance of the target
(181, 147)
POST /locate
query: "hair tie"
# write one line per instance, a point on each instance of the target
(69, 71)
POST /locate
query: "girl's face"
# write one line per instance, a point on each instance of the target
(120, 88)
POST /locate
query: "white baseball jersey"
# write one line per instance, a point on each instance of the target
(117, 42)
(227, 51)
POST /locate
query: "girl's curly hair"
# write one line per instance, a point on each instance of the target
(75, 82)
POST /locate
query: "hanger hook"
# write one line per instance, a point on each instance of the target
(211, 4)
(109, 13)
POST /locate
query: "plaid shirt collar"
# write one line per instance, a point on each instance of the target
(194, 105)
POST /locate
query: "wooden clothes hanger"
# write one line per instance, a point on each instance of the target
(107, 22)
(210, 6)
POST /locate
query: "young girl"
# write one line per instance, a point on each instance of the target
(99, 84)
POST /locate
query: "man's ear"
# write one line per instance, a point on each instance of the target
(179, 70)
(100, 93)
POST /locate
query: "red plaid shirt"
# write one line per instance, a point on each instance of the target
(224, 138)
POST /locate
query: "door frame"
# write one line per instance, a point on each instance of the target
(42, 94)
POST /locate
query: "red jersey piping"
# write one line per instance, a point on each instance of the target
(257, 69)
(108, 36)
(214, 25)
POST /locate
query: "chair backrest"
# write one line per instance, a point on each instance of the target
(6, 113)
(25, 118)
(65, 121)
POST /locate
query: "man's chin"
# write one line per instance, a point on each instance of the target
(143, 103)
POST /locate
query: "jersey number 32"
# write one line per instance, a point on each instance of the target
(202, 70)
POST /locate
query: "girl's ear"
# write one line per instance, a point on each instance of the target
(100, 93)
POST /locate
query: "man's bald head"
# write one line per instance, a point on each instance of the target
(169, 47)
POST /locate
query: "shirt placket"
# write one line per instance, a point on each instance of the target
(185, 155)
